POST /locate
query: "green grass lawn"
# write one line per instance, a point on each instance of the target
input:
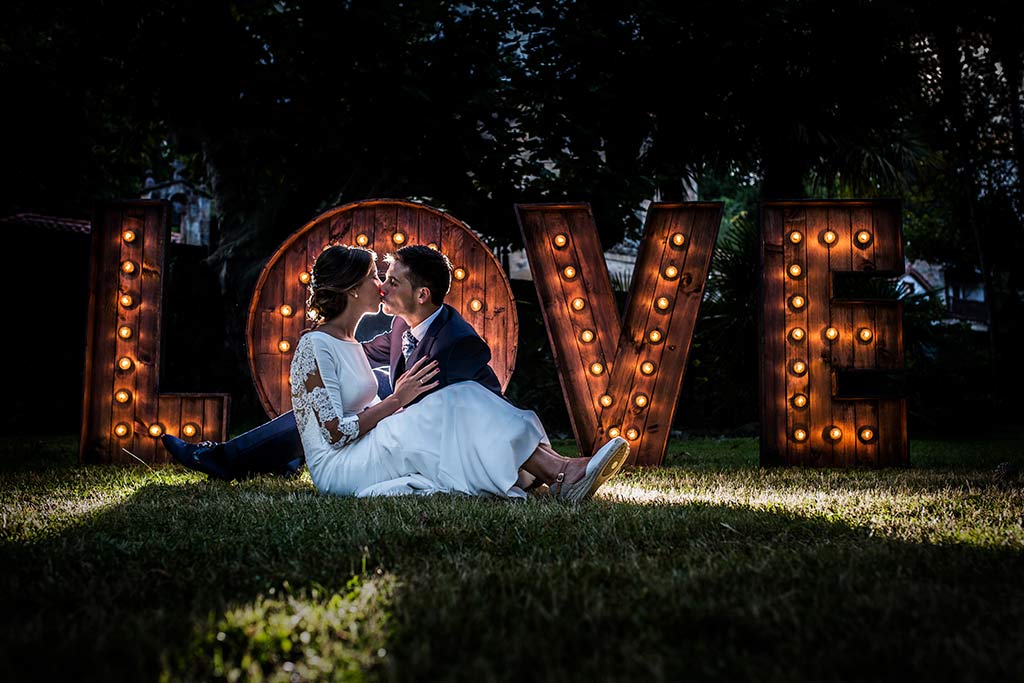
(709, 568)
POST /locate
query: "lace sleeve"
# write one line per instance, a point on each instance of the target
(312, 399)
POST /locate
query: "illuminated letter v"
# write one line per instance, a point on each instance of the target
(620, 378)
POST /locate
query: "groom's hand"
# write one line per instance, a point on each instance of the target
(417, 380)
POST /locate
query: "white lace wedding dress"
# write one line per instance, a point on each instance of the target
(460, 438)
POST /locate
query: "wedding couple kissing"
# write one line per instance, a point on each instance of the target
(444, 428)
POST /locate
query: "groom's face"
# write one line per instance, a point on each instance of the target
(399, 296)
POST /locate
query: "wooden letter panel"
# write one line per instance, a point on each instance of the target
(277, 313)
(620, 378)
(827, 364)
(122, 407)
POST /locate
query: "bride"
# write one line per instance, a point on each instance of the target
(428, 436)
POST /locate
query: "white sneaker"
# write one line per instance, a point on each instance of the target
(608, 460)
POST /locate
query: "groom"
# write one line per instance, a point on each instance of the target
(413, 291)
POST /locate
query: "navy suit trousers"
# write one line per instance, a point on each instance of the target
(272, 448)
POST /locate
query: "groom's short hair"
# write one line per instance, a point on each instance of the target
(427, 268)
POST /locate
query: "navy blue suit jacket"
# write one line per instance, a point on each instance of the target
(461, 354)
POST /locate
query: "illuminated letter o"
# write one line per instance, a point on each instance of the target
(378, 220)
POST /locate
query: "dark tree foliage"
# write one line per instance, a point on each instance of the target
(284, 109)
(720, 390)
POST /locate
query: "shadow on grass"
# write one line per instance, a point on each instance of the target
(194, 581)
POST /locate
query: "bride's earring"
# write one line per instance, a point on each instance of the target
(356, 295)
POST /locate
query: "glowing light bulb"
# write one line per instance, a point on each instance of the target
(596, 369)
(432, 245)
(800, 401)
(122, 395)
(863, 237)
(865, 335)
(362, 240)
(829, 237)
(799, 367)
(605, 400)
(128, 266)
(800, 434)
(632, 434)
(121, 429)
(569, 272)
(797, 333)
(286, 310)
(124, 332)
(189, 430)
(679, 239)
(560, 240)
(796, 237)
(304, 277)
(156, 429)
(459, 274)
(578, 304)
(663, 303)
(671, 272)
(125, 363)
(125, 300)
(640, 400)
(795, 270)
(128, 236)
(284, 346)
(831, 333)
(398, 238)
(475, 305)
(647, 368)
(587, 336)
(613, 432)
(797, 301)
(835, 433)
(866, 434)
(654, 336)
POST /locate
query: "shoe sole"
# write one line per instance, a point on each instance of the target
(588, 486)
(612, 467)
(614, 464)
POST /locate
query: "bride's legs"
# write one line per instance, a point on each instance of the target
(546, 464)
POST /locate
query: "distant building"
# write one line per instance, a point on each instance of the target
(620, 259)
(962, 293)
(620, 267)
(191, 206)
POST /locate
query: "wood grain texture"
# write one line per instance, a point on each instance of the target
(104, 347)
(379, 220)
(881, 255)
(773, 385)
(621, 346)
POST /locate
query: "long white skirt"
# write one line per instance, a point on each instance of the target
(459, 439)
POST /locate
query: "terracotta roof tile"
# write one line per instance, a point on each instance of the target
(75, 225)
(36, 220)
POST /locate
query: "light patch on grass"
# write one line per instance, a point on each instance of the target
(35, 505)
(927, 506)
(306, 634)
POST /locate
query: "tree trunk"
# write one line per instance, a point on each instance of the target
(1007, 46)
(782, 171)
(962, 139)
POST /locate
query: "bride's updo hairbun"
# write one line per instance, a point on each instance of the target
(337, 270)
